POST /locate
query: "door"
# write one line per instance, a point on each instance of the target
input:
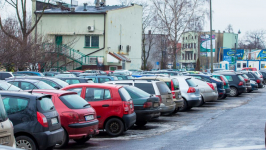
(58, 43)
(101, 100)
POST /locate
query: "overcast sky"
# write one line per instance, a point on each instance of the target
(244, 15)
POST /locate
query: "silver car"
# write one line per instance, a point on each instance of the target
(189, 91)
(208, 91)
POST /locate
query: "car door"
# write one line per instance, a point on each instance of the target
(101, 100)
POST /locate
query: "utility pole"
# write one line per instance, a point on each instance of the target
(211, 35)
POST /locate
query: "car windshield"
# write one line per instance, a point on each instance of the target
(124, 94)
(60, 82)
(9, 87)
(190, 82)
(45, 104)
(137, 91)
(3, 115)
(74, 101)
(43, 85)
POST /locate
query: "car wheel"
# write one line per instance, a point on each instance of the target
(65, 141)
(25, 142)
(176, 110)
(233, 91)
(114, 127)
(141, 123)
(250, 91)
(225, 95)
(185, 106)
(82, 140)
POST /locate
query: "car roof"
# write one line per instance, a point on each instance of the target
(59, 92)
(37, 77)
(155, 78)
(100, 85)
(28, 80)
(22, 93)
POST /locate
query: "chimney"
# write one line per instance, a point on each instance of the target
(85, 6)
(97, 3)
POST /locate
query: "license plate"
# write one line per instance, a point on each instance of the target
(155, 104)
(4, 140)
(90, 117)
(54, 121)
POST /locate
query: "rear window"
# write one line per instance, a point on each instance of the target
(60, 82)
(190, 83)
(124, 94)
(137, 91)
(43, 85)
(74, 101)
(241, 78)
(9, 87)
(245, 76)
(229, 78)
(163, 88)
(176, 84)
(3, 115)
(147, 87)
(45, 104)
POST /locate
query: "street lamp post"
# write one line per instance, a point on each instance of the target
(211, 34)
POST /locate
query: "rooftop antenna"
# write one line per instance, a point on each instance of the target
(11, 84)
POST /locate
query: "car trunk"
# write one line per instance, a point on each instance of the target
(166, 95)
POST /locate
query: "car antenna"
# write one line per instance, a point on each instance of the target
(33, 87)
(11, 84)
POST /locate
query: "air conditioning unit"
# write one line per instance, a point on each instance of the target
(90, 28)
(128, 48)
(120, 47)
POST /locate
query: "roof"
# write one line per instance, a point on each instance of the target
(59, 92)
(80, 10)
(120, 57)
(100, 85)
(21, 93)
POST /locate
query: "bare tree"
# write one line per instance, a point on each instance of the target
(253, 40)
(174, 16)
(229, 28)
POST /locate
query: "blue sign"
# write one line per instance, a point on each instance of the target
(177, 64)
(157, 63)
(230, 55)
(262, 54)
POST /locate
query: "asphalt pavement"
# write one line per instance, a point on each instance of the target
(233, 123)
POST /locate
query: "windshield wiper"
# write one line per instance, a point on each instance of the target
(86, 105)
(52, 108)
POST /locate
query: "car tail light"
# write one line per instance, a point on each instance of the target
(258, 81)
(72, 117)
(223, 80)
(191, 90)
(126, 106)
(42, 119)
(159, 98)
(246, 79)
(172, 88)
(173, 93)
(261, 76)
(240, 83)
(147, 105)
(211, 86)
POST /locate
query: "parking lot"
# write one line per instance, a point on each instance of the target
(185, 124)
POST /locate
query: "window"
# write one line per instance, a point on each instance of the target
(9, 87)
(135, 92)
(124, 94)
(94, 94)
(43, 85)
(183, 45)
(163, 88)
(238, 65)
(74, 101)
(5, 75)
(3, 115)
(182, 56)
(194, 45)
(50, 83)
(229, 78)
(27, 86)
(74, 81)
(77, 90)
(45, 104)
(147, 87)
(206, 79)
(176, 84)
(194, 56)
(192, 37)
(14, 83)
(250, 75)
(190, 83)
(102, 80)
(195, 37)
(186, 38)
(244, 65)
(92, 41)
(14, 104)
(120, 78)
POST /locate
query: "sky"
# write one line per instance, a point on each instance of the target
(243, 15)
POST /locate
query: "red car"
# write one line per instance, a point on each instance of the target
(250, 69)
(113, 105)
(77, 117)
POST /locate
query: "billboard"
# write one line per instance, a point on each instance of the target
(230, 55)
(205, 45)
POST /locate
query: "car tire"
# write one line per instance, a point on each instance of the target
(225, 95)
(176, 110)
(185, 106)
(233, 92)
(250, 91)
(141, 123)
(82, 140)
(64, 142)
(25, 142)
(114, 127)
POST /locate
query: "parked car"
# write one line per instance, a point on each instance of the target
(125, 72)
(95, 71)
(8, 87)
(35, 120)
(146, 106)
(29, 84)
(7, 131)
(263, 72)
(208, 91)
(50, 74)
(157, 88)
(4, 75)
(81, 71)
(247, 80)
(122, 77)
(173, 85)
(77, 117)
(169, 73)
(236, 82)
(75, 80)
(99, 78)
(108, 98)
(65, 75)
(54, 82)
(226, 84)
(254, 77)
(254, 85)
(249, 69)
(30, 73)
(189, 92)
(210, 79)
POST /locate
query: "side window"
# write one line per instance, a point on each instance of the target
(52, 84)
(5, 75)
(27, 86)
(206, 79)
(102, 80)
(119, 78)
(94, 94)
(198, 77)
(77, 90)
(70, 81)
(14, 104)
(229, 78)
(147, 87)
(15, 83)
